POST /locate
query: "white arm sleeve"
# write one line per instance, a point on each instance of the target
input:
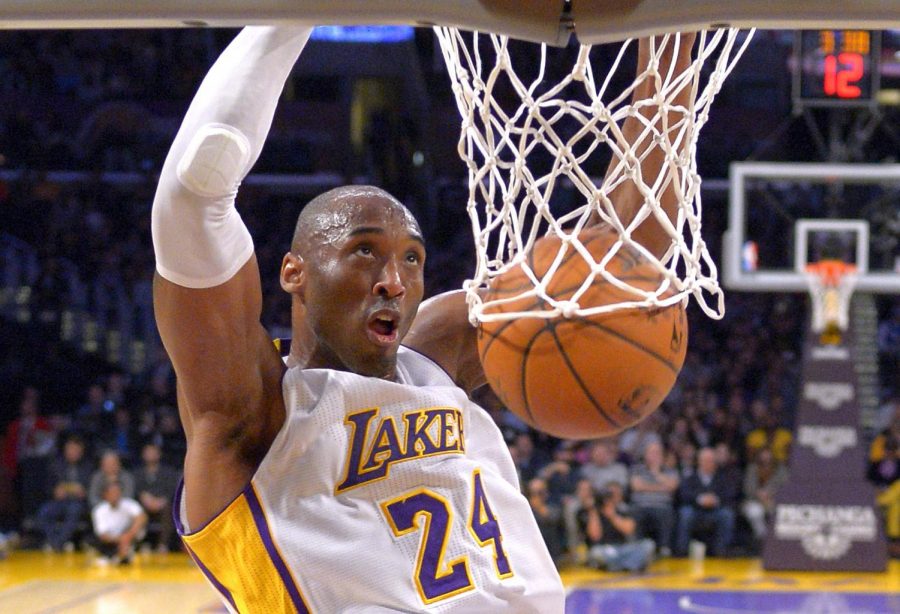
(198, 236)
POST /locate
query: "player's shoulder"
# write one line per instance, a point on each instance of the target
(420, 369)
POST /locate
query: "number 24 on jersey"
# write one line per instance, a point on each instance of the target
(435, 577)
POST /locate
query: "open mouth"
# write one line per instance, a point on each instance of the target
(382, 328)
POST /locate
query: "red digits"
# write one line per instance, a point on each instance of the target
(840, 81)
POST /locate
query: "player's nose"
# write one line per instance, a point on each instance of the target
(390, 282)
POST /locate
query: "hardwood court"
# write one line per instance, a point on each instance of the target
(37, 583)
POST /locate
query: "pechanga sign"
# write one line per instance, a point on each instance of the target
(827, 441)
(825, 515)
(826, 532)
(830, 352)
(828, 396)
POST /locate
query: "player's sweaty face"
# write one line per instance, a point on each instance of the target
(365, 283)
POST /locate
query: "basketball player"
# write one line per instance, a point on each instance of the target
(357, 476)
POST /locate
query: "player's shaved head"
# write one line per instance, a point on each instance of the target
(326, 216)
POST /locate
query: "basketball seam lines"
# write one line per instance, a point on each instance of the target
(622, 337)
(580, 382)
(523, 379)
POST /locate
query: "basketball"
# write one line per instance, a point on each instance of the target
(583, 377)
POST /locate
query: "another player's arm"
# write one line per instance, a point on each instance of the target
(207, 292)
(626, 198)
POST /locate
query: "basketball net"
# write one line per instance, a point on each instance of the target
(509, 198)
(831, 284)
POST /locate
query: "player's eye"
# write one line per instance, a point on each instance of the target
(413, 258)
(365, 250)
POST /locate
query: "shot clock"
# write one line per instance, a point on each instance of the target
(836, 67)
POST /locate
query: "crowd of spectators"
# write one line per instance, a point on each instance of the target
(105, 475)
(77, 478)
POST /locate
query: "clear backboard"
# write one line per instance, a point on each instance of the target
(783, 216)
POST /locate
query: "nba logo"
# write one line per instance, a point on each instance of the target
(749, 256)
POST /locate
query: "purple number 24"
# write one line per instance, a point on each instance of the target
(436, 578)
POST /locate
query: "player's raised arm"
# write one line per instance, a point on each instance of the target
(207, 292)
(626, 198)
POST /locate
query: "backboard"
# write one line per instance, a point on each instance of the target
(783, 216)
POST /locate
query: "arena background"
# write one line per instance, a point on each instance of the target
(86, 118)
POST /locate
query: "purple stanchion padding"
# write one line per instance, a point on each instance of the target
(825, 515)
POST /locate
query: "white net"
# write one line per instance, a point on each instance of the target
(531, 144)
(830, 297)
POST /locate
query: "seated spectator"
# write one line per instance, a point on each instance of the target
(761, 482)
(110, 471)
(609, 533)
(695, 414)
(155, 484)
(170, 436)
(117, 388)
(687, 460)
(767, 433)
(528, 459)
(679, 434)
(582, 498)
(706, 497)
(725, 429)
(652, 497)
(888, 412)
(119, 523)
(728, 465)
(879, 444)
(602, 468)
(95, 415)
(560, 474)
(548, 516)
(28, 436)
(884, 473)
(27, 449)
(121, 435)
(58, 518)
(635, 440)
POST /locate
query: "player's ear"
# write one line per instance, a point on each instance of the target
(293, 274)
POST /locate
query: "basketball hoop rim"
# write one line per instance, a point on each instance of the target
(831, 273)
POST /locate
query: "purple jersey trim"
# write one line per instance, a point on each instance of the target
(176, 508)
(262, 526)
(176, 512)
(179, 526)
(212, 579)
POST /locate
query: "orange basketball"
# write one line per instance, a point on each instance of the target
(582, 378)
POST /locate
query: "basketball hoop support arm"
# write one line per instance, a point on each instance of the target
(550, 21)
(541, 21)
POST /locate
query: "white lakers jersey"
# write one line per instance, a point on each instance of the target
(380, 496)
